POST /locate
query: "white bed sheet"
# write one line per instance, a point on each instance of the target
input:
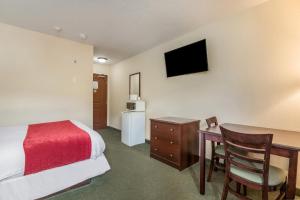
(50, 181)
(12, 156)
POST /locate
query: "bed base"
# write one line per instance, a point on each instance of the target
(84, 183)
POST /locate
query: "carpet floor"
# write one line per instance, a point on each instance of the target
(135, 176)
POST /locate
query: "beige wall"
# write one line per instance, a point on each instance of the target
(104, 69)
(43, 78)
(253, 77)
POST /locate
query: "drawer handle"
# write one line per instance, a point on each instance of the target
(171, 129)
(171, 155)
(155, 126)
(171, 142)
(155, 138)
(155, 149)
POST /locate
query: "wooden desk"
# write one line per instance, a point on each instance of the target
(285, 144)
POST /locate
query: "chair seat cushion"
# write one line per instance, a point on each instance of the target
(276, 175)
(220, 150)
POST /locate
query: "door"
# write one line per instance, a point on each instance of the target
(99, 101)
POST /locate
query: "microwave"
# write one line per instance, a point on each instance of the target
(136, 105)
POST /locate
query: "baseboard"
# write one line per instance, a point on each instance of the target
(147, 141)
(114, 128)
(298, 191)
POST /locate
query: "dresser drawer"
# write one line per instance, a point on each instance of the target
(163, 140)
(164, 127)
(169, 153)
(165, 131)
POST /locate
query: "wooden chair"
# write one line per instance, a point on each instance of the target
(252, 169)
(217, 151)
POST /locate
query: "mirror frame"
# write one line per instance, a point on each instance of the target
(139, 74)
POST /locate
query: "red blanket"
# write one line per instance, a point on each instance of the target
(54, 144)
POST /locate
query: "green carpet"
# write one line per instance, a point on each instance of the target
(135, 176)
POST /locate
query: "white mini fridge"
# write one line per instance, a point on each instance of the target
(133, 128)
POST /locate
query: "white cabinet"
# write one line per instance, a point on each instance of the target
(133, 128)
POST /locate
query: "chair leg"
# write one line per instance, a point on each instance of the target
(225, 189)
(218, 163)
(217, 159)
(244, 190)
(211, 168)
(212, 162)
(224, 165)
(265, 194)
(238, 188)
(282, 191)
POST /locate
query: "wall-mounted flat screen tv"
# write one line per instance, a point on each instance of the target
(186, 60)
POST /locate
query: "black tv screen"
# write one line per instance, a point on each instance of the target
(186, 60)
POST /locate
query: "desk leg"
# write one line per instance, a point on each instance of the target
(292, 176)
(202, 163)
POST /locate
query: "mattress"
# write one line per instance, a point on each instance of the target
(12, 156)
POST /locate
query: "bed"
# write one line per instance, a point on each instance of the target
(14, 185)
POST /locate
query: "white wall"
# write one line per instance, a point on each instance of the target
(43, 78)
(105, 69)
(101, 69)
(253, 77)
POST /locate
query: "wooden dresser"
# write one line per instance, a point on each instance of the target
(175, 141)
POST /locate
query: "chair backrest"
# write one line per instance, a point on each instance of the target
(212, 121)
(241, 148)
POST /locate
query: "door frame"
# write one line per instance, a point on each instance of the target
(107, 97)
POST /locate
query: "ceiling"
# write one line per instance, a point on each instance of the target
(118, 29)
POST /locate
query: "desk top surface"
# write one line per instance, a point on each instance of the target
(290, 139)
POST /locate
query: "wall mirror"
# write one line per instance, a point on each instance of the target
(135, 84)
